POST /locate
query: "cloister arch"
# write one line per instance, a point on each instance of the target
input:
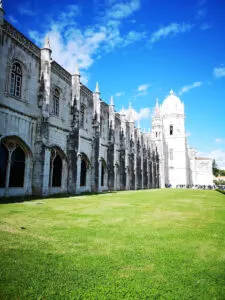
(83, 173)
(58, 171)
(15, 166)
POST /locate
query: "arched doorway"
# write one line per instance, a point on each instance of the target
(15, 167)
(83, 172)
(58, 171)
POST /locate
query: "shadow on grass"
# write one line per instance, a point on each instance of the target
(19, 199)
(220, 191)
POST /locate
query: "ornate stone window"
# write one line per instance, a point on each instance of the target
(15, 80)
(56, 97)
(171, 129)
(82, 114)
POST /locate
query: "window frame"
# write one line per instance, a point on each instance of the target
(16, 80)
(56, 102)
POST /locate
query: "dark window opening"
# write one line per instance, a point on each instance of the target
(57, 172)
(4, 155)
(102, 176)
(83, 173)
(171, 130)
(17, 168)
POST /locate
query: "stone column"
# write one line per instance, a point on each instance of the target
(64, 175)
(99, 175)
(127, 179)
(78, 173)
(8, 172)
(46, 170)
(153, 174)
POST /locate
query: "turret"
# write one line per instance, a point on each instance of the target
(2, 13)
(76, 88)
(46, 75)
(111, 113)
(96, 99)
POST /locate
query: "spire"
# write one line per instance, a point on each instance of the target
(130, 106)
(1, 5)
(47, 43)
(97, 88)
(157, 109)
(171, 92)
(77, 72)
(122, 112)
(111, 101)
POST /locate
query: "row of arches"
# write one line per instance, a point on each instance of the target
(16, 170)
(16, 166)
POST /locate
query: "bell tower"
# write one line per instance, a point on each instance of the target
(157, 138)
(172, 111)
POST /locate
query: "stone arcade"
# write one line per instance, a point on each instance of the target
(57, 136)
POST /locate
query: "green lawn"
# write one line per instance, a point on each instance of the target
(153, 244)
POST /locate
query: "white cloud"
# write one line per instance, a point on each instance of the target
(220, 141)
(187, 88)
(219, 72)
(123, 9)
(143, 87)
(72, 45)
(205, 26)
(119, 94)
(218, 155)
(143, 113)
(170, 30)
(133, 36)
(26, 9)
(142, 90)
(13, 20)
(188, 133)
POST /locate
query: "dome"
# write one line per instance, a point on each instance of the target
(172, 104)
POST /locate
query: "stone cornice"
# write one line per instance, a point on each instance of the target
(61, 72)
(21, 39)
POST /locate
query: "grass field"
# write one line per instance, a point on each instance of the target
(153, 244)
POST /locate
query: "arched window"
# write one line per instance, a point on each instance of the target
(103, 174)
(57, 172)
(171, 129)
(3, 164)
(16, 80)
(17, 168)
(82, 110)
(55, 108)
(83, 173)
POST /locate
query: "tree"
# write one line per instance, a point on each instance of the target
(215, 169)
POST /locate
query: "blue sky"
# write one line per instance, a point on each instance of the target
(138, 50)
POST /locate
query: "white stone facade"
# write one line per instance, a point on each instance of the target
(57, 136)
(177, 160)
